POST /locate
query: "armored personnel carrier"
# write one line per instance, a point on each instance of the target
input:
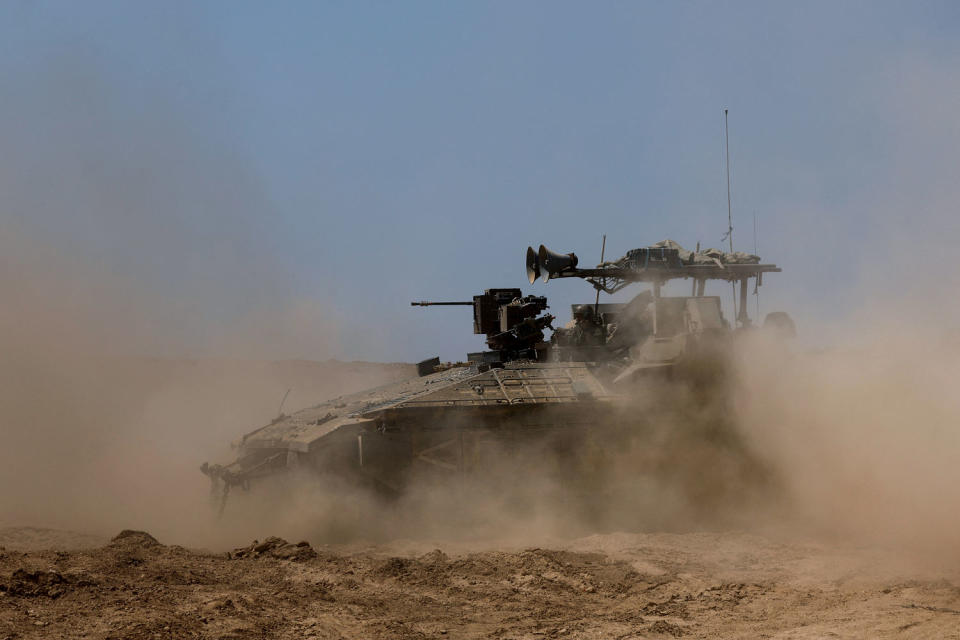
(527, 386)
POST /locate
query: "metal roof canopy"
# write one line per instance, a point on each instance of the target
(612, 279)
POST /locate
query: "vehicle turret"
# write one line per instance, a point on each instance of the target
(511, 321)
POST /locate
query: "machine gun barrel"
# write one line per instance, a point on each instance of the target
(424, 303)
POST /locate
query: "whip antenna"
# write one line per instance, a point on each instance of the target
(726, 135)
(603, 250)
(280, 410)
(756, 252)
(729, 234)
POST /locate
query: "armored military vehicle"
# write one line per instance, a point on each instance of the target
(526, 387)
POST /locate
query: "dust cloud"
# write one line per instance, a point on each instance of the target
(97, 438)
(111, 291)
(144, 303)
(865, 439)
(670, 459)
(858, 444)
(855, 445)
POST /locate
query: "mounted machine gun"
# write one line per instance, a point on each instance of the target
(509, 320)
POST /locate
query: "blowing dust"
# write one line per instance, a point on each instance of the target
(97, 438)
(114, 284)
(865, 439)
(144, 303)
(859, 444)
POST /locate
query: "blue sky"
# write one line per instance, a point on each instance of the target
(291, 175)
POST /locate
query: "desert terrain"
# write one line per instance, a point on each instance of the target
(215, 214)
(830, 560)
(622, 585)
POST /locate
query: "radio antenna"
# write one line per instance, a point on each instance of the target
(726, 132)
(603, 250)
(280, 409)
(756, 252)
(729, 234)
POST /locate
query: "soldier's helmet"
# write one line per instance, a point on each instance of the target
(584, 311)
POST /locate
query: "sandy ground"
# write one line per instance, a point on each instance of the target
(141, 449)
(696, 585)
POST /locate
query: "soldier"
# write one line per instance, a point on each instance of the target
(587, 330)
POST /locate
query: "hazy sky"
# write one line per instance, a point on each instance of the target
(281, 179)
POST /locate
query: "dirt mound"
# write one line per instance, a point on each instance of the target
(133, 537)
(274, 547)
(130, 548)
(617, 586)
(50, 583)
(30, 584)
(430, 569)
